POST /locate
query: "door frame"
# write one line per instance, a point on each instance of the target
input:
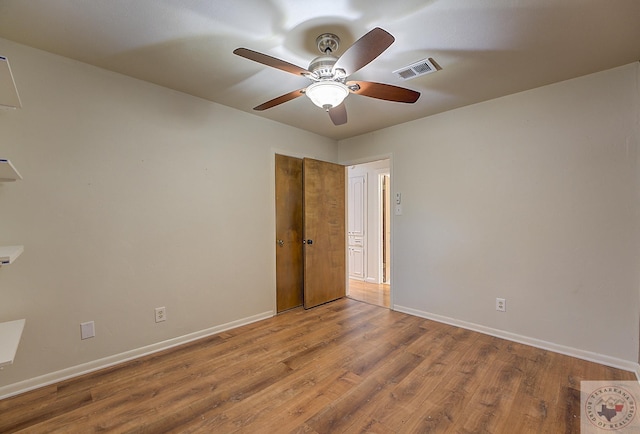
(381, 226)
(372, 159)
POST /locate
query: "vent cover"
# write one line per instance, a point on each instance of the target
(422, 67)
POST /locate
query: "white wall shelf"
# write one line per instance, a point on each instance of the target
(9, 98)
(10, 331)
(8, 173)
(10, 334)
(8, 254)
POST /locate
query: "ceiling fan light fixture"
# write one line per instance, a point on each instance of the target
(327, 94)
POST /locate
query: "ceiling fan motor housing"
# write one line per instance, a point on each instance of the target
(322, 66)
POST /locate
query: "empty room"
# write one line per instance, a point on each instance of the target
(194, 194)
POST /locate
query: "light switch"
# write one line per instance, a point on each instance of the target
(398, 210)
(398, 198)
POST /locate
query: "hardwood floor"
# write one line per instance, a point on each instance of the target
(378, 294)
(345, 366)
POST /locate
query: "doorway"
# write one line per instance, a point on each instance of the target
(310, 228)
(369, 232)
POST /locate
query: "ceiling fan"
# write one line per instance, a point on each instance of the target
(329, 73)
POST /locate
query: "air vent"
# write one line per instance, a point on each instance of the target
(425, 66)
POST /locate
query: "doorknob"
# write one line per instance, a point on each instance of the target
(309, 241)
(281, 243)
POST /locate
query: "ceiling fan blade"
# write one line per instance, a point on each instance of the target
(279, 100)
(338, 114)
(387, 92)
(364, 50)
(270, 61)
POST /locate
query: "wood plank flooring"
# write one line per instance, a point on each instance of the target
(345, 366)
(378, 294)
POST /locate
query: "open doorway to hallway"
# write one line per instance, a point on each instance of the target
(369, 232)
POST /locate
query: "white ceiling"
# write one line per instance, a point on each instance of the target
(486, 48)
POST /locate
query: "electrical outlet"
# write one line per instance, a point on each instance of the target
(161, 314)
(501, 304)
(87, 330)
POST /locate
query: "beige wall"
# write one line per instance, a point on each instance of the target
(534, 198)
(133, 197)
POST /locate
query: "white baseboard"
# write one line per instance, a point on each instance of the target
(538, 343)
(74, 371)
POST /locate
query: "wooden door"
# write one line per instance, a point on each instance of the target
(324, 232)
(289, 235)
